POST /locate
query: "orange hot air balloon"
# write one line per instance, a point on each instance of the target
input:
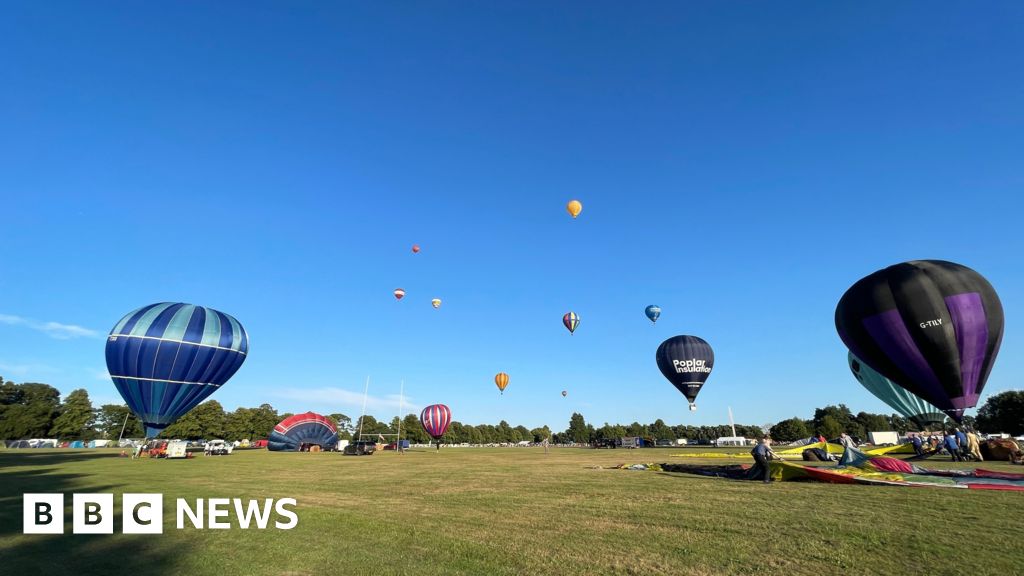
(574, 207)
(399, 293)
(436, 302)
(415, 248)
(501, 379)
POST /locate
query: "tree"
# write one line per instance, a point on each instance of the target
(871, 423)
(76, 418)
(661, 431)
(577, 431)
(541, 434)
(1002, 413)
(829, 427)
(413, 431)
(27, 410)
(789, 430)
(205, 421)
(343, 422)
(841, 415)
(111, 417)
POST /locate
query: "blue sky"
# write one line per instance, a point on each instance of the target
(739, 164)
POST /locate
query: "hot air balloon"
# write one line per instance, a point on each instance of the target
(436, 302)
(501, 380)
(415, 248)
(922, 413)
(399, 293)
(931, 326)
(571, 320)
(435, 419)
(652, 312)
(166, 358)
(303, 430)
(564, 393)
(686, 361)
(574, 207)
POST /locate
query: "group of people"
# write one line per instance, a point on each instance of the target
(960, 445)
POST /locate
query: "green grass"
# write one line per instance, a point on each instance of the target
(509, 511)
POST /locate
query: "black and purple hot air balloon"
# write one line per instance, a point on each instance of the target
(435, 419)
(931, 326)
(686, 361)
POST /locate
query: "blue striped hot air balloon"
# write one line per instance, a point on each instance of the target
(166, 358)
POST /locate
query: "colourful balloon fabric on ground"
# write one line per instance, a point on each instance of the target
(898, 398)
(931, 326)
(435, 419)
(571, 320)
(166, 358)
(308, 428)
(686, 361)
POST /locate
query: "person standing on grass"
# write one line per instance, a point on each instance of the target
(762, 453)
(974, 446)
(952, 447)
(915, 439)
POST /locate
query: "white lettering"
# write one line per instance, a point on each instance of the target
(280, 507)
(253, 510)
(196, 517)
(217, 508)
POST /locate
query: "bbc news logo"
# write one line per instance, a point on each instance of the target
(144, 513)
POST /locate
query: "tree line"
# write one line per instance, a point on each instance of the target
(35, 410)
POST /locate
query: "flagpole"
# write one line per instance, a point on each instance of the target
(362, 418)
(401, 396)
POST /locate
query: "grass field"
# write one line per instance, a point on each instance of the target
(508, 511)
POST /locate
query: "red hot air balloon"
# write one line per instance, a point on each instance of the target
(435, 419)
(415, 248)
(399, 293)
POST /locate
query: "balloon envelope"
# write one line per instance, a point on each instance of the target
(564, 393)
(415, 248)
(931, 326)
(399, 293)
(309, 428)
(686, 361)
(501, 380)
(166, 358)
(898, 398)
(571, 320)
(653, 312)
(436, 302)
(574, 207)
(435, 419)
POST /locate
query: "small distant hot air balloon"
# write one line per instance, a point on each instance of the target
(436, 302)
(415, 248)
(574, 207)
(652, 312)
(571, 320)
(501, 380)
(564, 393)
(166, 358)
(399, 293)
(435, 419)
(686, 361)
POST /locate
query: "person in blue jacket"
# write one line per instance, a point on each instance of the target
(952, 446)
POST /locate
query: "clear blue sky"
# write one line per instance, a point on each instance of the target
(740, 164)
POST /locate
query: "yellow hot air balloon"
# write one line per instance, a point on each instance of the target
(436, 302)
(501, 379)
(574, 207)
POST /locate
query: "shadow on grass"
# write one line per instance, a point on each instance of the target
(43, 554)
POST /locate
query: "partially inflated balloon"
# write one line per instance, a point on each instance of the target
(436, 302)
(435, 419)
(399, 293)
(309, 428)
(571, 320)
(501, 380)
(166, 358)
(653, 312)
(574, 207)
(931, 326)
(922, 413)
(686, 361)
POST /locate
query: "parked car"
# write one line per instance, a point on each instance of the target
(217, 448)
(361, 448)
